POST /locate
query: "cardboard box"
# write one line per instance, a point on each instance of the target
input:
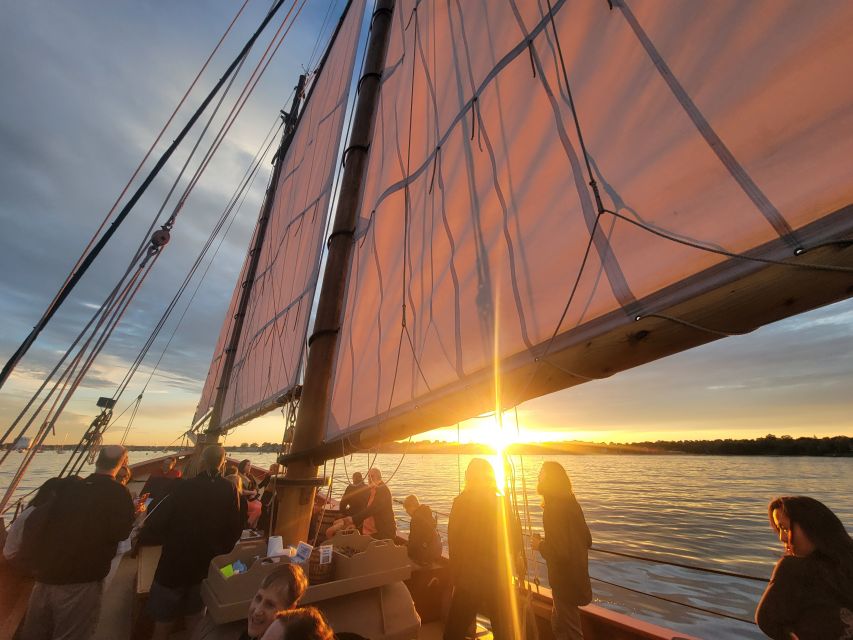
(374, 563)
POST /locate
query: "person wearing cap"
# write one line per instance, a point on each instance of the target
(424, 545)
(76, 537)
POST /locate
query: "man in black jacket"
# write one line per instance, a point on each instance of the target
(355, 496)
(377, 518)
(76, 538)
(199, 520)
(424, 542)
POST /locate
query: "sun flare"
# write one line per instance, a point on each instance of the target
(498, 436)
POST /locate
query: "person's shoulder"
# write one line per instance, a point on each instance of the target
(423, 511)
(789, 567)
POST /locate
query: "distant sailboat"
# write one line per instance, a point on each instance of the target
(21, 444)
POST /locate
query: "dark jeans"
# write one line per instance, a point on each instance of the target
(466, 603)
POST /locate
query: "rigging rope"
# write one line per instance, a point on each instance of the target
(150, 149)
(110, 306)
(232, 117)
(186, 193)
(109, 320)
(678, 602)
(719, 572)
(238, 196)
(72, 281)
(730, 254)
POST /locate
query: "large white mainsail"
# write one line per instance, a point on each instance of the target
(724, 125)
(273, 336)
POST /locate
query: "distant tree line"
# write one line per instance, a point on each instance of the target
(769, 445)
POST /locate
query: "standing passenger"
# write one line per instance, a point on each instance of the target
(564, 549)
(810, 595)
(479, 531)
(77, 541)
(424, 544)
(200, 520)
(162, 481)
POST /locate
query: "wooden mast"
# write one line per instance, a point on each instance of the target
(295, 491)
(214, 429)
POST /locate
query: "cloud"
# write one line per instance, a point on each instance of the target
(89, 84)
(93, 82)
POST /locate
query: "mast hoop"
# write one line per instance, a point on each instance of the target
(353, 147)
(369, 74)
(322, 332)
(340, 232)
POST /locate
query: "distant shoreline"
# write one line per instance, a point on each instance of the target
(770, 445)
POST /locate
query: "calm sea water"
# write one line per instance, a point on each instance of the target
(696, 510)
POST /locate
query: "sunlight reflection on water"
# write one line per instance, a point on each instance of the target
(706, 511)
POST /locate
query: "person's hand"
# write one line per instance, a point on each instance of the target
(535, 541)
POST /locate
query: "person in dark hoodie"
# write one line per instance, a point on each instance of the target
(76, 540)
(565, 550)
(377, 518)
(199, 520)
(483, 538)
(424, 542)
(810, 595)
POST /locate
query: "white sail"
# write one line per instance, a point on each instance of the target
(273, 337)
(723, 124)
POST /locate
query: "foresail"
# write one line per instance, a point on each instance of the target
(272, 342)
(719, 135)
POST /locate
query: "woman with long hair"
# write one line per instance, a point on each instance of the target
(251, 492)
(810, 595)
(565, 550)
(483, 537)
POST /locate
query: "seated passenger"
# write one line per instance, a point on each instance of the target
(280, 591)
(355, 496)
(306, 623)
(377, 518)
(424, 540)
(251, 492)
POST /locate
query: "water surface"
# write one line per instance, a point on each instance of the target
(708, 511)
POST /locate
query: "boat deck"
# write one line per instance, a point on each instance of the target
(118, 619)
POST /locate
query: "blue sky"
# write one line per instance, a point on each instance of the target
(87, 84)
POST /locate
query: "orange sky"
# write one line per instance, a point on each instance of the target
(791, 378)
